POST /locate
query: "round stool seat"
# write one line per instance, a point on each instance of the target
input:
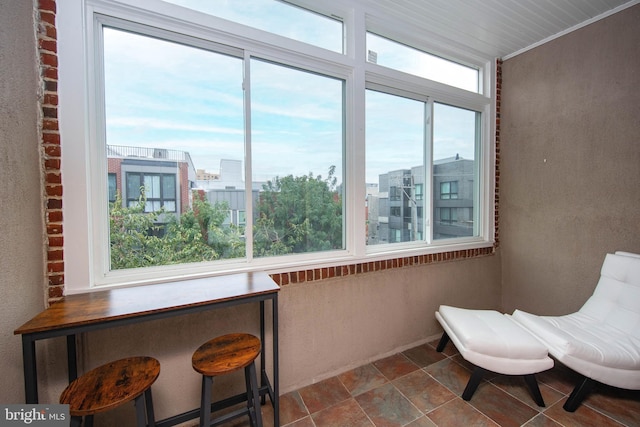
(225, 354)
(110, 385)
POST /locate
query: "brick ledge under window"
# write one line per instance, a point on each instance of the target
(310, 275)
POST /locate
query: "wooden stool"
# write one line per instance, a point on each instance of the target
(223, 355)
(110, 386)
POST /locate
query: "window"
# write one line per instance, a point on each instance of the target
(155, 191)
(419, 190)
(448, 215)
(388, 53)
(276, 17)
(113, 186)
(449, 190)
(252, 151)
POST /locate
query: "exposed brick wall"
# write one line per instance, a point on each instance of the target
(497, 170)
(47, 50)
(283, 279)
(48, 55)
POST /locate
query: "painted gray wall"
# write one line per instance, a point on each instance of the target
(22, 276)
(570, 165)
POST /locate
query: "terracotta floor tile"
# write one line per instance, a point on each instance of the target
(456, 413)
(362, 379)
(622, 405)
(319, 396)
(344, 414)
(395, 366)
(559, 378)
(450, 374)
(304, 422)
(515, 386)
(584, 416)
(387, 407)
(542, 420)
(423, 391)
(423, 355)
(435, 390)
(422, 422)
(449, 349)
(501, 407)
(292, 408)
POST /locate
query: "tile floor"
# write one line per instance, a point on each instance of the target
(421, 387)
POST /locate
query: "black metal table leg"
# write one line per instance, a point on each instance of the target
(30, 369)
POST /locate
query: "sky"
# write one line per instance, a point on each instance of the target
(160, 94)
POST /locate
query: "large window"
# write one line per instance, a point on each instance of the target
(208, 145)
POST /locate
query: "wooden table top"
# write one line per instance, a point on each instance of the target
(121, 303)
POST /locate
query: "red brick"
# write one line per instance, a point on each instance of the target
(54, 190)
(49, 18)
(55, 267)
(48, 5)
(52, 164)
(49, 59)
(56, 291)
(54, 216)
(56, 241)
(54, 204)
(52, 150)
(54, 178)
(48, 45)
(54, 228)
(55, 255)
(56, 279)
(48, 124)
(51, 138)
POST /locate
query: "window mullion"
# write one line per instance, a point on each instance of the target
(248, 164)
(428, 172)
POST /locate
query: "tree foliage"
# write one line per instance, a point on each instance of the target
(298, 214)
(139, 239)
(294, 215)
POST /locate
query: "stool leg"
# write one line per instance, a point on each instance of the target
(534, 389)
(88, 421)
(151, 417)
(255, 394)
(205, 401)
(141, 419)
(443, 342)
(76, 421)
(473, 383)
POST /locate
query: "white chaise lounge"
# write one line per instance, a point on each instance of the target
(602, 340)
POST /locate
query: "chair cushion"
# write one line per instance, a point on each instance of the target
(493, 341)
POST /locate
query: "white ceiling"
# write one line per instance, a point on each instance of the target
(499, 28)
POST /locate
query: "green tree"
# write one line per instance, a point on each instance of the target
(139, 239)
(298, 214)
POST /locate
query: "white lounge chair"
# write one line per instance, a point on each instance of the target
(602, 340)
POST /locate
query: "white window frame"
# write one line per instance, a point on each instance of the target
(84, 173)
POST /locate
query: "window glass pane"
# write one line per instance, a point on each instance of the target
(455, 136)
(276, 17)
(112, 187)
(297, 151)
(168, 114)
(395, 135)
(413, 61)
(133, 186)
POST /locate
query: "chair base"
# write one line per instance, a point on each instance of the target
(582, 390)
(478, 373)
